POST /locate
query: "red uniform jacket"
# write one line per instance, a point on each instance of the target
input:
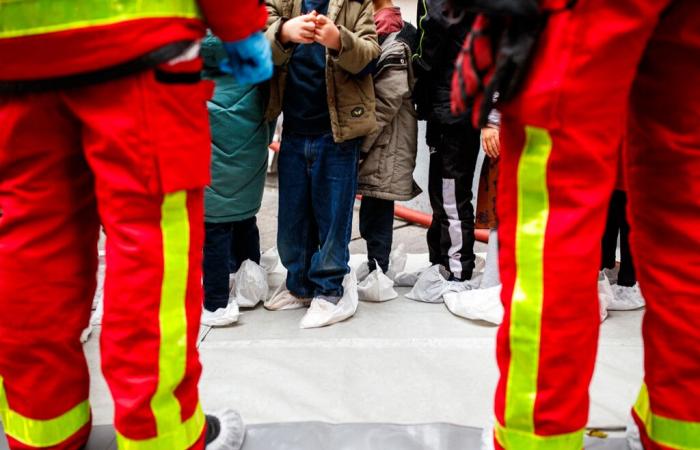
(88, 49)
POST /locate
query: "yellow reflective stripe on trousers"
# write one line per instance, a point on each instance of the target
(522, 440)
(31, 17)
(677, 434)
(528, 292)
(172, 433)
(42, 433)
(183, 437)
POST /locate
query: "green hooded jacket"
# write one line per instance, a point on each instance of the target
(240, 139)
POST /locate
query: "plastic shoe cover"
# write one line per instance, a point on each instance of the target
(376, 287)
(479, 262)
(634, 440)
(231, 432)
(270, 259)
(479, 304)
(397, 261)
(222, 316)
(611, 274)
(251, 285)
(415, 265)
(487, 437)
(626, 298)
(322, 313)
(432, 285)
(282, 299)
(363, 271)
(605, 295)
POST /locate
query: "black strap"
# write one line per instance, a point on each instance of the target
(145, 62)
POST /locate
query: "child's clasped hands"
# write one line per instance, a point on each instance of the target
(310, 28)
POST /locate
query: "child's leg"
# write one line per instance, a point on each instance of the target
(491, 276)
(452, 164)
(245, 243)
(377, 229)
(627, 276)
(612, 229)
(297, 234)
(333, 188)
(217, 253)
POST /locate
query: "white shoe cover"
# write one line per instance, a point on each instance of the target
(362, 271)
(397, 261)
(477, 304)
(222, 316)
(232, 432)
(251, 285)
(634, 440)
(322, 313)
(270, 259)
(282, 299)
(376, 287)
(626, 298)
(432, 285)
(415, 265)
(487, 437)
(605, 295)
(611, 274)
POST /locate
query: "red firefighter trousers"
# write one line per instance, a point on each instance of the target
(602, 69)
(130, 155)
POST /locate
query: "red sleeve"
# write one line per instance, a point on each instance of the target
(234, 20)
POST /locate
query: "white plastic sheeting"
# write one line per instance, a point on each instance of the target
(250, 285)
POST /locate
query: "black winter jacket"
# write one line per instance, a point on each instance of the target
(439, 44)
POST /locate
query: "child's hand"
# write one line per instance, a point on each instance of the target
(299, 30)
(490, 142)
(327, 34)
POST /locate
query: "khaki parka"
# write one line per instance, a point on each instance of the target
(349, 83)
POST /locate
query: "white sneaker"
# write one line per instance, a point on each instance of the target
(222, 316)
(225, 431)
(626, 298)
(432, 285)
(376, 287)
(605, 295)
(282, 299)
(322, 313)
(477, 304)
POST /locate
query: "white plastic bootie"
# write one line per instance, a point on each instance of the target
(322, 313)
(432, 285)
(376, 287)
(626, 298)
(487, 437)
(282, 299)
(225, 431)
(363, 271)
(634, 440)
(221, 317)
(251, 285)
(477, 304)
(611, 274)
(270, 259)
(397, 261)
(605, 295)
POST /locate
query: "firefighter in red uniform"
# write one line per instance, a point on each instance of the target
(103, 120)
(595, 63)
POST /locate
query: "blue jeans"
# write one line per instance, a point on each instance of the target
(226, 246)
(317, 186)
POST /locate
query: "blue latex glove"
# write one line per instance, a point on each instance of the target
(249, 60)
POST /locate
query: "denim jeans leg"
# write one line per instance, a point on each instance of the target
(245, 243)
(297, 236)
(217, 248)
(377, 229)
(334, 184)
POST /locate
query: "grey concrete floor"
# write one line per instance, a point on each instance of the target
(398, 362)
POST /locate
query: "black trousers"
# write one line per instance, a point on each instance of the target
(226, 246)
(453, 153)
(377, 229)
(617, 224)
